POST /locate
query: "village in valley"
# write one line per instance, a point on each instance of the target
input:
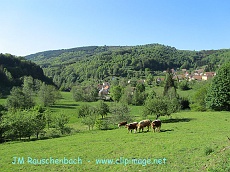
(115, 86)
(178, 75)
(199, 75)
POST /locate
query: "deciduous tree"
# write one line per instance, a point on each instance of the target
(120, 112)
(88, 115)
(60, 123)
(218, 94)
(103, 109)
(160, 106)
(19, 100)
(116, 92)
(48, 95)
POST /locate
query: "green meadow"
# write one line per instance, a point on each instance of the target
(188, 141)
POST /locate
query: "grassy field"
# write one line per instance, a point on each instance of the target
(189, 141)
(2, 101)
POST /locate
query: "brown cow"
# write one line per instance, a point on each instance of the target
(144, 123)
(122, 124)
(132, 126)
(156, 125)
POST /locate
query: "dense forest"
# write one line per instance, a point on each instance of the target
(71, 66)
(13, 69)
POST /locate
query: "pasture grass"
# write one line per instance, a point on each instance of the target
(182, 93)
(190, 141)
(2, 101)
(69, 107)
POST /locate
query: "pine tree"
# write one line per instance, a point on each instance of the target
(169, 82)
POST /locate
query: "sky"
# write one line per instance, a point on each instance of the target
(31, 26)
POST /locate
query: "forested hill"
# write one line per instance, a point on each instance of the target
(70, 66)
(12, 69)
(67, 56)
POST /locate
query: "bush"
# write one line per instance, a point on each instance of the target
(184, 102)
(104, 124)
(183, 85)
(53, 133)
(67, 130)
(88, 114)
(198, 98)
(208, 150)
(60, 122)
(85, 94)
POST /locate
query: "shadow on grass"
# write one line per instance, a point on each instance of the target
(144, 131)
(108, 129)
(177, 120)
(65, 106)
(3, 97)
(167, 130)
(73, 104)
(162, 130)
(28, 140)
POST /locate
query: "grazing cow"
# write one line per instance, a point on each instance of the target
(132, 126)
(122, 124)
(156, 125)
(144, 123)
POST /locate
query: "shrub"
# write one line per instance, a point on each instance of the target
(208, 150)
(103, 124)
(184, 102)
(183, 85)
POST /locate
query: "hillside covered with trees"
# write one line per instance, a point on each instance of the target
(71, 66)
(13, 69)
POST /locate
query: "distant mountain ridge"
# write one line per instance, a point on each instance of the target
(68, 67)
(71, 54)
(54, 53)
